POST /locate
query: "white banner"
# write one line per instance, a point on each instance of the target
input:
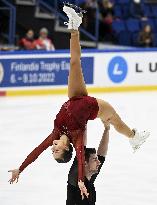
(125, 69)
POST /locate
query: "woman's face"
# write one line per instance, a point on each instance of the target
(30, 34)
(147, 29)
(43, 35)
(58, 148)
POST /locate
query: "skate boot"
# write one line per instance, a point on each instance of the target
(75, 19)
(138, 139)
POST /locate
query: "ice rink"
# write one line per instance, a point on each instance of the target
(125, 178)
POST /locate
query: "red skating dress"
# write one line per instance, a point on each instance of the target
(71, 120)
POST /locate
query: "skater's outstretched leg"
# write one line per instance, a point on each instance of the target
(76, 83)
(108, 114)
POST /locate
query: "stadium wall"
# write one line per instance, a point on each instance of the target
(42, 73)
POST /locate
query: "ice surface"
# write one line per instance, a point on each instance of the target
(125, 179)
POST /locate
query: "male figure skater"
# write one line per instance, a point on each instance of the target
(93, 163)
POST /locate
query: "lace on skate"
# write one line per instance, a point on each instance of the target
(76, 8)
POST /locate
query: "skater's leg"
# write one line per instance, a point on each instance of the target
(76, 83)
(120, 126)
(108, 114)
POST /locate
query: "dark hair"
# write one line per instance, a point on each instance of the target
(88, 152)
(67, 155)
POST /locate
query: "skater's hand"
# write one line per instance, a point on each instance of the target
(106, 124)
(15, 176)
(83, 189)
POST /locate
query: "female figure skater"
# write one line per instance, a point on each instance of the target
(70, 122)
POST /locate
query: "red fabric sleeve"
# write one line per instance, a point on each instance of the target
(78, 142)
(38, 150)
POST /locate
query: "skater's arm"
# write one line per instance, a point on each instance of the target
(103, 146)
(32, 156)
(102, 150)
(79, 147)
(37, 151)
(85, 138)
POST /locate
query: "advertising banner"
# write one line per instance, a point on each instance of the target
(104, 71)
(22, 72)
(125, 69)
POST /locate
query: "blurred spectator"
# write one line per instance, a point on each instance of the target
(146, 38)
(106, 7)
(136, 10)
(89, 17)
(106, 19)
(28, 42)
(43, 42)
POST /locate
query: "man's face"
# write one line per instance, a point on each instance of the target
(93, 163)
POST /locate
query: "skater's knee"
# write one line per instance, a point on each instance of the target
(75, 61)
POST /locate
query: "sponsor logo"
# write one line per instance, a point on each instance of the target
(117, 69)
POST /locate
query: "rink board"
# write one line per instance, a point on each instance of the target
(42, 73)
